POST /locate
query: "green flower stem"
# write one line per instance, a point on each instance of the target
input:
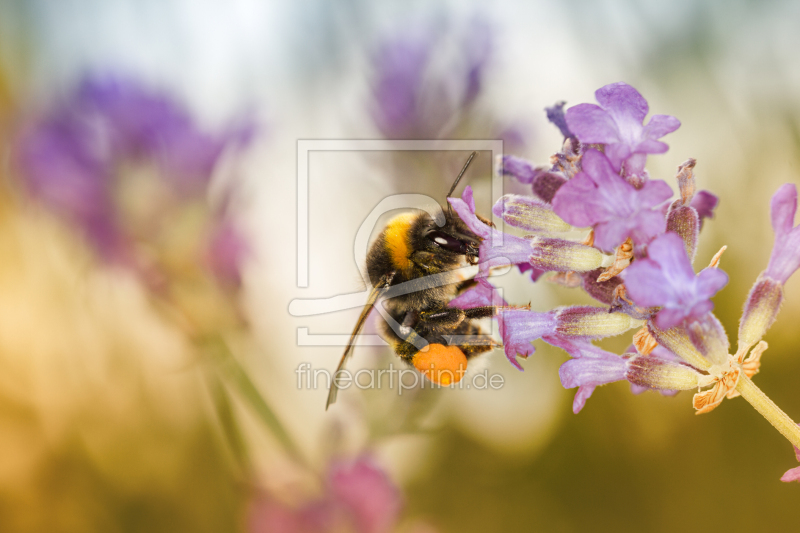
(768, 409)
(238, 378)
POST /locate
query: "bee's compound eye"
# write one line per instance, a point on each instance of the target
(448, 242)
(441, 364)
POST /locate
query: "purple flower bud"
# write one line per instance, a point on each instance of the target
(785, 258)
(558, 255)
(529, 214)
(617, 123)
(602, 291)
(684, 221)
(709, 337)
(760, 310)
(546, 184)
(662, 374)
(598, 197)
(589, 322)
(677, 341)
(666, 279)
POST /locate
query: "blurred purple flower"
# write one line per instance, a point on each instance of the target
(617, 123)
(228, 248)
(666, 279)
(401, 65)
(600, 198)
(373, 501)
(71, 159)
(358, 497)
(412, 99)
(785, 258)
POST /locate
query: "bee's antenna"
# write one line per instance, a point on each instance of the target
(455, 183)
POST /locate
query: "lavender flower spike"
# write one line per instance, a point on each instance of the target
(617, 123)
(598, 197)
(785, 258)
(764, 300)
(666, 279)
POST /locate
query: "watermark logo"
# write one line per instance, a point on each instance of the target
(399, 379)
(318, 306)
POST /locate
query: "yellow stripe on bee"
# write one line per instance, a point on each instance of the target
(397, 240)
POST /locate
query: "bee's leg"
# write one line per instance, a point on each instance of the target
(465, 285)
(452, 316)
(404, 349)
(472, 340)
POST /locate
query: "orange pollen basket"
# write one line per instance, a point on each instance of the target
(443, 365)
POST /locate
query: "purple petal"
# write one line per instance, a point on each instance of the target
(649, 146)
(668, 251)
(593, 368)
(666, 279)
(646, 283)
(592, 124)
(623, 102)
(783, 208)
(608, 235)
(791, 475)
(653, 193)
(523, 327)
(555, 115)
(704, 203)
(668, 318)
(660, 125)
(617, 153)
(482, 294)
(465, 209)
(710, 280)
(583, 394)
(646, 225)
(785, 257)
(517, 168)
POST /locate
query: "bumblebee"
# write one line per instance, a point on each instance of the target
(414, 266)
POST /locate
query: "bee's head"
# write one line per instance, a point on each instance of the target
(453, 238)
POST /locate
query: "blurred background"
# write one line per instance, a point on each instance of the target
(148, 227)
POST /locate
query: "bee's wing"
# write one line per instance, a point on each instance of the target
(377, 290)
